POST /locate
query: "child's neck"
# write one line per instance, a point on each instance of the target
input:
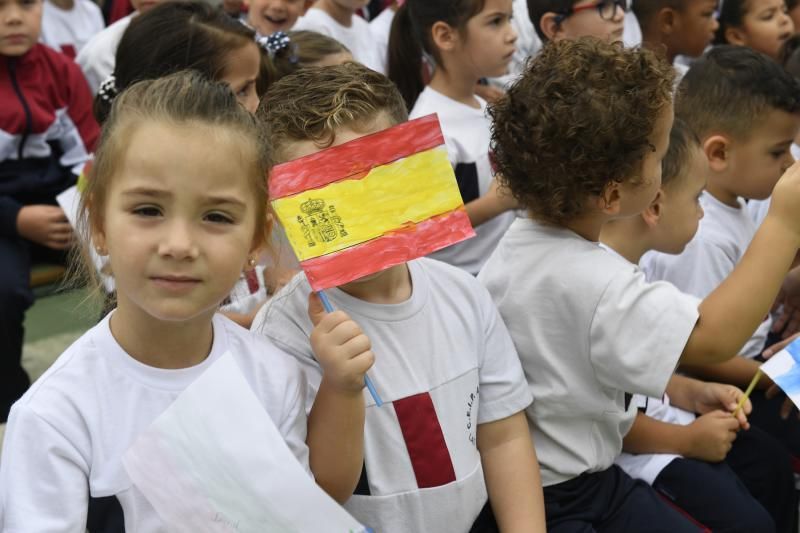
(339, 13)
(159, 343)
(654, 41)
(588, 225)
(715, 188)
(626, 236)
(455, 84)
(66, 5)
(392, 286)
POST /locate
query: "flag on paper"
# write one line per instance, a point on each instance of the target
(375, 202)
(784, 369)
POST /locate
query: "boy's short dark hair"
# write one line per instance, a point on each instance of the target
(730, 89)
(645, 10)
(314, 102)
(681, 142)
(538, 8)
(581, 116)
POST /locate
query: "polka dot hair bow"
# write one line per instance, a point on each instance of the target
(274, 43)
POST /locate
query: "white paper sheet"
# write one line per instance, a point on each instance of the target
(784, 369)
(215, 462)
(69, 200)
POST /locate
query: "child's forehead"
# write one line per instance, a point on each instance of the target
(296, 148)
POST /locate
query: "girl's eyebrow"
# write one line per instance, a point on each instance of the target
(151, 192)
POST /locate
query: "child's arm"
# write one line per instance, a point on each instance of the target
(708, 438)
(730, 314)
(737, 371)
(495, 202)
(336, 421)
(512, 474)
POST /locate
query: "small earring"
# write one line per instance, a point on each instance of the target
(101, 251)
(252, 262)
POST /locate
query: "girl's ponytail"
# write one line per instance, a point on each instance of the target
(405, 56)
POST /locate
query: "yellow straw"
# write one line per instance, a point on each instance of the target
(748, 391)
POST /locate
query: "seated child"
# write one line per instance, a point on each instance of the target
(763, 25)
(96, 58)
(465, 124)
(745, 109)
(178, 221)
(668, 447)
(67, 25)
(555, 20)
(46, 134)
(579, 141)
(340, 21)
(683, 27)
(268, 16)
(452, 426)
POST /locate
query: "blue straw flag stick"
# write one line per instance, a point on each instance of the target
(368, 382)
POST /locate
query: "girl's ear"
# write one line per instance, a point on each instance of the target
(444, 36)
(550, 25)
(735, 36)
(652, 214)
(717, 150)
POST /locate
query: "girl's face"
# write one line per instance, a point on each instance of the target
(490, 39)
(269, 16)
(765, 27)
(179, 222)
(244, 65)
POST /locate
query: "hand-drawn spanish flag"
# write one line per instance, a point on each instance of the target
(375, 202)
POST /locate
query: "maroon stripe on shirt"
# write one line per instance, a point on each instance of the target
(425, 442)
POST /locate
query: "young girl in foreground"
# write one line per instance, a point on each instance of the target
(178, 219)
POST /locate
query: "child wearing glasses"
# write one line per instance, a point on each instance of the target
(589, 329)
(555, 20)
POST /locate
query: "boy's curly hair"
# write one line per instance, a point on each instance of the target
(314, 102)
(580, 117)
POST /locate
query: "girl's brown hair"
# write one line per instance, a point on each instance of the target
(304, 49)
(183, 98)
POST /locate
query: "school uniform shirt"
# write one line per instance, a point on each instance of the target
(76, 422)
(68, 30)
(590, 332)
(647, 466)
(98, 56)
(632, 34)
(724, 234)
(357, 38)
(444, 364)
(380, 27)
(467, 132)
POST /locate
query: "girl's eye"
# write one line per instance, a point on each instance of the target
(219, 218)
(777, 155)
(147, 211)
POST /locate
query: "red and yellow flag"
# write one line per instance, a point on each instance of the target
(371, 203)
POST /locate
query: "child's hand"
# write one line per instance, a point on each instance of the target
(46, 225)
(340, 347)
(785, 202)
(711, 436)
(717, 396)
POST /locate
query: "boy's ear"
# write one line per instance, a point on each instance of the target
(735, 36)
(609, 200)
(652, 214)
(666, 20)
(444, 36)
(550, 24)
(717, 150)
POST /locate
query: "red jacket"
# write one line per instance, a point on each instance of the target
(47, 129)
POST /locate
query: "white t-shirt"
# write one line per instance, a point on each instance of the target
(467, 132)
(647, 466)
(528, 44)
(632, 34)
(380, 27)
(444, 364)
(66, 436)
(357, 38)
(590, 332)
(69, 30)
(724, 234)
(97, 58)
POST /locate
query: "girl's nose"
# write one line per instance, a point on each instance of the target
(178, 242)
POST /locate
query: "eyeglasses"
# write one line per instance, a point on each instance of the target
(607, 9)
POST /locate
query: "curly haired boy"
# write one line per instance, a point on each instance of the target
(579, 141)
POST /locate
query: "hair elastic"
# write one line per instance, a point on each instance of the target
(108, 89)
(277, 42)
